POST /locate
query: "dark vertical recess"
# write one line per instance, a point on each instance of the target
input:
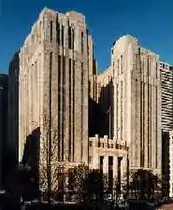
(110, 173)
(118, 183)
(70, 65)
(82, 42)
(69, 37)
(73, 107)
(82, 110)
(57, 30)
(51, 30)
(141, 110)
(63, 102)
(59, 107)
(50, 125)
(73, 37)
(101, 164)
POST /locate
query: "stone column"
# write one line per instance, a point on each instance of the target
(115, 167)
(123, 171)
(105, 165)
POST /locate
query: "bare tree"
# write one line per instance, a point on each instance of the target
(145, 185)
(78, 182)
(50, 168)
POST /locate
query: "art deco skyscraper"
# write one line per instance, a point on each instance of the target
(3, 126)
(53, 82)
(137, 103)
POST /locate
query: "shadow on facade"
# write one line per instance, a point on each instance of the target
(96, 119)
(105, 107)
(30, 163)
(165, 163)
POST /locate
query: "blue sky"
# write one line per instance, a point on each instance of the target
(151, 21)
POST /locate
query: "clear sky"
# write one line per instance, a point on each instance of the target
(151, 21)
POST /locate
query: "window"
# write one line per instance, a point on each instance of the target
(90, 143)
(82, 40)
(57, 31)
(90, 159)
(51, 28)
(101, 160)
(121, 64)
(69, 38)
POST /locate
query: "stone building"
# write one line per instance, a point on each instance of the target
(53, 82)
(13, 116)
(3, 125)
(166, 78)
(171, 164)
(137, 104)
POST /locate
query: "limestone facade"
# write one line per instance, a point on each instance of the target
(137, 102)
(53, 83)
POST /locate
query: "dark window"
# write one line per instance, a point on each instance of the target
(69, 38)
(101, 163)
(101, 160)
(90, 159)
(50, 103)
(82, 42)
(156, 70)
(57, 31)
(121, 64)
(51, 28)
